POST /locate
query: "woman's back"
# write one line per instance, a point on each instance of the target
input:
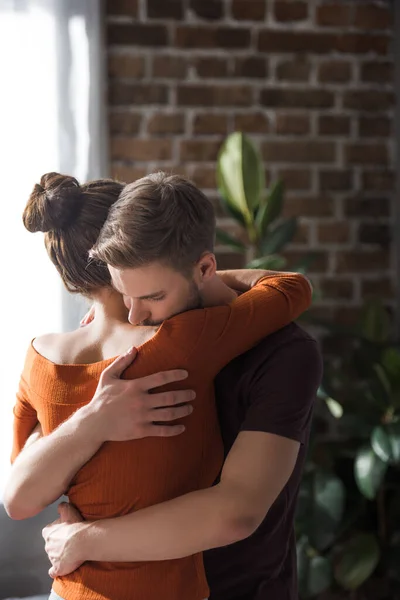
(127, 476)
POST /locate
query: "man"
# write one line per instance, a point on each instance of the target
(265, 400)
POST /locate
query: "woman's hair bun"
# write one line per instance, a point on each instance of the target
(54, 203)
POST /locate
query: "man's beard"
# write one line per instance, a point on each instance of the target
(194, 301)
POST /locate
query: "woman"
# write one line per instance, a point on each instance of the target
(62, 370)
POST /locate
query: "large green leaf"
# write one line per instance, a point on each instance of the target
(385, 441)
(314, 571)
(235, 214)
(225, 238)
(279, 237)
(305, 262)
(357, 561)
(273, 262)
(240, 174)
(320, 507)
(375, 322)
(391, 363)
(270, 209)
(369, 472)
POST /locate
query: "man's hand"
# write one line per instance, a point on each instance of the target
(88, 318)
(125, 410)
(61, 541)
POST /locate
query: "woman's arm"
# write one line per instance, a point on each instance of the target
(243, 280)
(44, 467)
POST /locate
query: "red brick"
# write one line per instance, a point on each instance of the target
(294, 98)
(122, 94)
(173, 67)
(310, 206)
(166, 123)
(382, 288)
(141, 150)
(204, 177)
(348, 316)
(295, 41)
(122, 8)
(205, 123)
(334, 233)
(160, 9)
(127, 173)
(124, 122)
(373, 233)
(302, 235)
(336, 289)
(374, 127)
(230, 260)
(371, 16)
(361, 206)
(290, 11)
(363, 153)
(206, 37)
(334, 15)
(377, 72)
(335, 180)
(137, 34)
(297, 69)
(253, 66)
(355, 43)
(319, 265)
(333, 125)
(248, 10)
(358, 261)
(295, 179)
(206, 9)
(299, 151)
(254, 122)
(335, 71)
(297, 124)
(368, 100)
(199, 150)
(211, 66)
(203, 95)
(124, 65)
(378, 180)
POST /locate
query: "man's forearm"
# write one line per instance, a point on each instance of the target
(43, 470)
(192, 523)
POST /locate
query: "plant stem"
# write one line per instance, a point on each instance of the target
(382, 530)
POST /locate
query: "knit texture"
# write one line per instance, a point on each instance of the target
(123, 477)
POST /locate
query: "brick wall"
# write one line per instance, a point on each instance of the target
(310, 81)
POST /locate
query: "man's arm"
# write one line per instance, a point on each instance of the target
(43, 470)
(255, 472)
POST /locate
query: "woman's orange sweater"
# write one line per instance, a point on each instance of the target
(126, 476)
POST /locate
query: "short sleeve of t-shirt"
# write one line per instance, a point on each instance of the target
(282, 393)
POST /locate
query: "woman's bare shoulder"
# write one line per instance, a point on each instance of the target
(60, 348)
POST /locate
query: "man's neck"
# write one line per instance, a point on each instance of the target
(216, 293)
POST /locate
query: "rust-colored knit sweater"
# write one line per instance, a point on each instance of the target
(126, 476)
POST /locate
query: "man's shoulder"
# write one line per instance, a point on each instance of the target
(290, 339)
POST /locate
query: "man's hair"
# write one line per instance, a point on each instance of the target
(159, 218)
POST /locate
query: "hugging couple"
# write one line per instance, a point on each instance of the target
(177, 419)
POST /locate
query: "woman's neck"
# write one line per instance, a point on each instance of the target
(109, 308)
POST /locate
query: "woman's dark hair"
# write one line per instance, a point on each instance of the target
(71, 216)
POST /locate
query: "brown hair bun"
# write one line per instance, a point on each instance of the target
(54, 204)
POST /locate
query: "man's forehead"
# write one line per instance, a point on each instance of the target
(137, 283)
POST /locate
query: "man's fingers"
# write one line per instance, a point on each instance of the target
(163, 399)
(52, 572)
(119, 365)
(68, 513)
(88, 318)
(165, 430)
(172, 413)
(162, 378)
(46, 529)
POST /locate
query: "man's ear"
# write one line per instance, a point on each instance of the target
(205, 268)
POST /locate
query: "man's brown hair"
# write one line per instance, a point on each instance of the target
(72, 216)
(159, 218)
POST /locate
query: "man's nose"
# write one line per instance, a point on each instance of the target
(137, 313)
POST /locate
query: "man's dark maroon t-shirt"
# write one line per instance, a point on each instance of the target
(271, 388)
